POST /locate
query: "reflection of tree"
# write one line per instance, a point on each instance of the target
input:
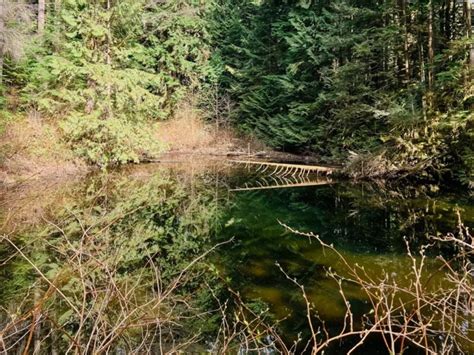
(121, 269)
(367, 223)
(414, 212)
(109, 266)
(364, 217)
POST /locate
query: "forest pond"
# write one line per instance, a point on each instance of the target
(226, 221)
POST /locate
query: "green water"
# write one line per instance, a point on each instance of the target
(172, 215)
(367, 224)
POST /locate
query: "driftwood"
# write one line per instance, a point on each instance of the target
(273, 156)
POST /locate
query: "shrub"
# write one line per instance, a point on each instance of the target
(109, 142)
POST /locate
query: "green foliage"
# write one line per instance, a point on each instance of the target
(127, 61)
(338, 79)
(109, 142)
(158, 218)
(2, 97)
(287, 84)
(462, 146)
(123, 252)
(347, 78)
(5, 117)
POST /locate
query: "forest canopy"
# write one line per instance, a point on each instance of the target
(304, 178)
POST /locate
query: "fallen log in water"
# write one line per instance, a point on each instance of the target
(283, 186)
(283, 169)
(284, 175)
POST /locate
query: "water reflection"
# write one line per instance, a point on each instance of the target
(366, 223)
(104, 258)
(119, 266)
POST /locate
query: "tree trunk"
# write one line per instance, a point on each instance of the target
(41, 16)
(430, 45)
(2, 40)
(406, 44)
(447, 20)
(454, 11)
(430, 55)
(469, 31)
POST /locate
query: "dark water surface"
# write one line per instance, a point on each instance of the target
(370, 225)
(367, 223)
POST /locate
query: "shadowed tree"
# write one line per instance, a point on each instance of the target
(15, 20)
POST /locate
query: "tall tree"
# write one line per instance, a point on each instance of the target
(469, 26)
(430, 54)
(111, 67)
(41, 15)
(349, 78)
(2, 37)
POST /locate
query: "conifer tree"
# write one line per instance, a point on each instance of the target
(108, 66)
(385, 79)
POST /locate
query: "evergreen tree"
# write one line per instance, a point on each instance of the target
(387, 81)
(109, 65)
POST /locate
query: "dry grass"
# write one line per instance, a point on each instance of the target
(36, 169)
(187, 133)
(31, 149)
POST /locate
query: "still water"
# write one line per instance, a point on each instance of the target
(369, 225)
(171, 215)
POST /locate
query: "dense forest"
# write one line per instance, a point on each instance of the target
(236, 176)
(384, 87)
(381, 81)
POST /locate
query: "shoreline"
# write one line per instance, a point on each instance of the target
(33, 151)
